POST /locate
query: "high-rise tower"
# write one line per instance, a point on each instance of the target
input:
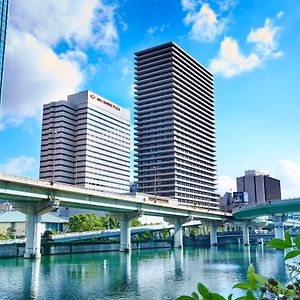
(175, 126)
(4, 18)
(86, 141)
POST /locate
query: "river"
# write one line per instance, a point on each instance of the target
(147, 274)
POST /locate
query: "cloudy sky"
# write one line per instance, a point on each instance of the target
(59, 47)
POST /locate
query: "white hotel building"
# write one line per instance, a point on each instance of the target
(86, 142)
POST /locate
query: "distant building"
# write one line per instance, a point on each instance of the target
(260, 187)
(175, 126)
(17, 220)
(4, 18)
(86, 142)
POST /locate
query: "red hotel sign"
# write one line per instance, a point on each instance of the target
(105, 102)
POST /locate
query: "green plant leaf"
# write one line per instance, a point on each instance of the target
(261, 279)
(204, 292)
(230, 297)
(251, 278)
(242, 285)
(195, 296)
(288, 239)
(292, 254)
(250, 295)
(297, 241)
(215, 296)
(185, 298)
(278, 244)
(242, 298)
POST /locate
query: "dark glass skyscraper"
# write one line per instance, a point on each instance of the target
(175, 126)
(4, 18)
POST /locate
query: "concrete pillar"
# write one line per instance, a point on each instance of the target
(14, 229)
(178, 241)
(245, 234)
(125, 234)
(34, 211)
(30, 232)
(213, 234)
(37, 236)
(33, 234)
(278, 220)
(178, 222)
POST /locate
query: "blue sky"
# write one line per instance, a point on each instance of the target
(58, 47)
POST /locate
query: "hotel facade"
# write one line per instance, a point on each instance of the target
(86, 142)
(175, 126)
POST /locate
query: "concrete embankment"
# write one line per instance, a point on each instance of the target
(18, 249)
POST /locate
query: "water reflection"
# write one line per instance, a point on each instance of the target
(31, 273)
(147, 274)
(178, 262)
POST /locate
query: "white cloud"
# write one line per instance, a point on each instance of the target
(230, 61)
(188, 4)
(265, 40)
(151, 30)
(205, 25)
(86, 23)
(225, 184)
(35, 73)
(280, 14)
(289, 174)
(19, 165)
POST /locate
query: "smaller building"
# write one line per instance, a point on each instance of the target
(253, 188)
(260, 187)
(17, 220)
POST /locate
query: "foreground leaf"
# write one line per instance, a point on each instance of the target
(242, 285)
(217, 296)
(292, 254)
(288, 239)
(278, 244)
(204, 292)
(185, 298)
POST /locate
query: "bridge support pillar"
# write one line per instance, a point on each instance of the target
(245, 234)
(178, 236)
(213, 234)
(278, 220)
(125, 232)
(34, 212)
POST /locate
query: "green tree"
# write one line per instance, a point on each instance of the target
(136, 223)
(85, 222)
(165, 233)
(110, 223)
(10, 232)
(147, 235)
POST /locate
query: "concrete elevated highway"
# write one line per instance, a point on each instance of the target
(276, 209)
(36, 197)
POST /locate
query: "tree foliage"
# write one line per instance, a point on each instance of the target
(136, 223)
(258, 287)
(90, 222)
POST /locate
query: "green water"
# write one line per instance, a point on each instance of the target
(146, 274)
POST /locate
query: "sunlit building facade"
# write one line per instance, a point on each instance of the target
(175, 126)
(86, 142)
